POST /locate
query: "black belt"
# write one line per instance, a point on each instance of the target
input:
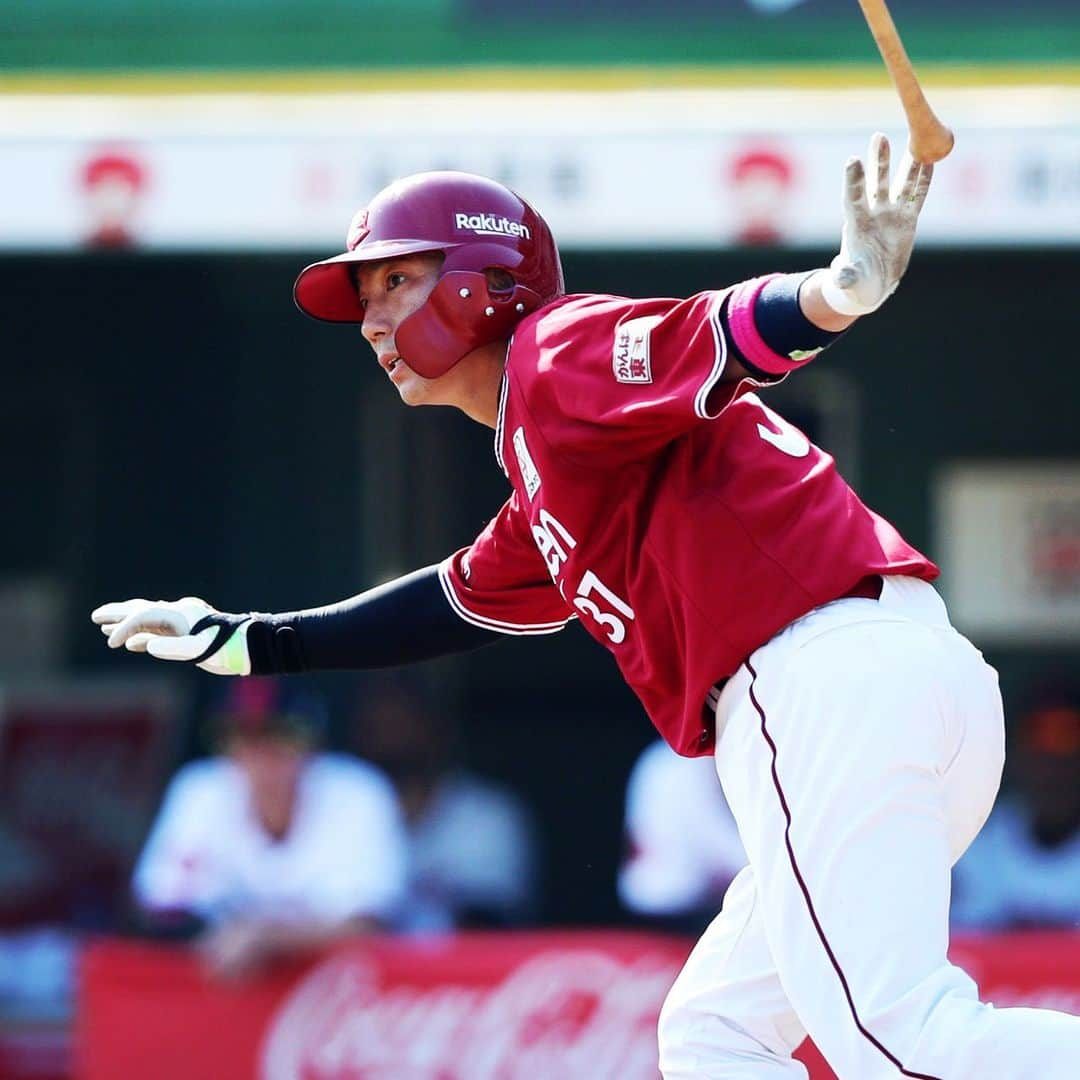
(866, 588)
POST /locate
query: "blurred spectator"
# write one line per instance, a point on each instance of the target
(471, 842)
(113, 184)
(683, 847)
(1023, 870)
(761, 182)
(271, 848)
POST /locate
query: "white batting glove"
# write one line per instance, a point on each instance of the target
(879, 230)
(188, 629)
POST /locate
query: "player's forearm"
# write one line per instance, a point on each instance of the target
(286, 938)
(404, 621)
(243, 946)
(814, 306)
(774, 325)
(401, 622)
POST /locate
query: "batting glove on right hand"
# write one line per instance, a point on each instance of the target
(879, 231)
(189, 630)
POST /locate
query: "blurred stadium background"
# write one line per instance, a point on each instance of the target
(171, 425)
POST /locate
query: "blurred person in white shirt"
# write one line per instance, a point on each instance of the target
(271, 848)
(1023, 869)
(472, 841)
(682, 844)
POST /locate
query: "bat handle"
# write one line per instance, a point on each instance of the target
(929, 139)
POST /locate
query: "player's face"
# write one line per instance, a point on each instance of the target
(390, 292)
(272, 767)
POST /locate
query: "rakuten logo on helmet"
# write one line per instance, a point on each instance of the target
(491, 225)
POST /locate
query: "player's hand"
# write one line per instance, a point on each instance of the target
(879, 229)
(188, 629)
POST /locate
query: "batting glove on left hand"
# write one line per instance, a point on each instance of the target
(879, 230)
(188, 629)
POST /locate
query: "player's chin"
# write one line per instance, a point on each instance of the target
(413, 389)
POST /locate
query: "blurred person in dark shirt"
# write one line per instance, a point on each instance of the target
(471, 842)
(271, 847)
(1023, 870)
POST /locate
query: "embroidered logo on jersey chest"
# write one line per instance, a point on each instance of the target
(630, 357)
(529, 476)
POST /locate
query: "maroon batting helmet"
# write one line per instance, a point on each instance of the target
(478, 225)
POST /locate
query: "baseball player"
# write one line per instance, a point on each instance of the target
(759, 610)
(272, 847)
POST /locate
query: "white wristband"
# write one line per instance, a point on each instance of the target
(842, 301)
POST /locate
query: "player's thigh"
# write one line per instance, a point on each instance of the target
(726, 1014)
(972, 773)
(834, 762)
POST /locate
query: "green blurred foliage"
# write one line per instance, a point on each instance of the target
(55, 35)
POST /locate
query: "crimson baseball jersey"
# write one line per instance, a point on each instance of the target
(680, 519)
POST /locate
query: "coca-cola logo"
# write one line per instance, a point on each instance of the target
(561, 1013)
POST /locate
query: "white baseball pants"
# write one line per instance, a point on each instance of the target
(860, 751)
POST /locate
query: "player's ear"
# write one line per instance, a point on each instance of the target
(500, 282)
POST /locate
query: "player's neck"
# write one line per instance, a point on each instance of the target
(481, 379)
(275, 808)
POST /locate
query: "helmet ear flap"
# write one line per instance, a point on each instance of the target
(460, 315)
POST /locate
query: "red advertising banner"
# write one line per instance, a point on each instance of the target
(471, 1007)
(1035, 968)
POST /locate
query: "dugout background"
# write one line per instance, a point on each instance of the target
(171, 425)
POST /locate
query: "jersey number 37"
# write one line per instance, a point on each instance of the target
(593, 599)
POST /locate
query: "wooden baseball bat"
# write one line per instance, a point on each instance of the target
(929, 140)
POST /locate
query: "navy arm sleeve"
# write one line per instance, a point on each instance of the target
(780, 321)
(404, 621)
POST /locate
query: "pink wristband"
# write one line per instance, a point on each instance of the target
(745, 332)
